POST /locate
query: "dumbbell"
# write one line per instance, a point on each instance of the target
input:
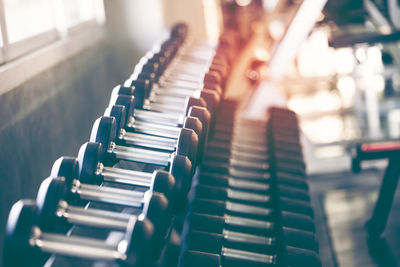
(57, 215)
(159, 124)
(253, 140)
(212, 242)
(224, 166)
(203, 76)
(160, 100)
(226, 145)
(185, 145)
(135, 113)
(153, 127)
(219, 208)
(188, 61)
(242, 185)
(26, 245)
(103, 132)
(69, 189)
(254, 200)
(179, 86)
(267, 231)
(92, 171)
(235, 258)
(191, 61)
(217, 224)
(174, 100)
(237, 158)
(285, 178)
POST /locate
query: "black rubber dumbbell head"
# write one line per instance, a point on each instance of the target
(140, 238)
(89, 157)
(104, 132)
(187, 145)
(127, 101)
(193, 101)
(17, 250)
(205, 118)
(181, 169)
(195, 125)
(67, 167)
(118, 112)
(51, 191)
(157, 210)
(164, 182)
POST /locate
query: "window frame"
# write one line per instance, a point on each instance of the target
(46, 49)
(12, 51)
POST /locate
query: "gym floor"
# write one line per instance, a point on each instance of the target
(343, 202)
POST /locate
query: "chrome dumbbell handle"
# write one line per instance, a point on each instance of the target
(125, 176)
(240, 221)
(82, 247)
(235, 207)
(93, 217)
(248, 238)
(157, 142)
(140, 155)
(165, 108)
(242, 195)
(238, 183)
(110, 195)
(236, 254)
(249, 174)
(158, 117)
(153, 128)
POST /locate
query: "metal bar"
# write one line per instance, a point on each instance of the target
(247, 256)
(247, 209)
(240, 221)
(248, 238)
(157, 142)
(96, 218)
(158, 117)
(157, 129)
(124, 176)
(142, 155)
(81, 247)
(241, 195)
(133, 200)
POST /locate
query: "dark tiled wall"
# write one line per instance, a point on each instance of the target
(51, 116)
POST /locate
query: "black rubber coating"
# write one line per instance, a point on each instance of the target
(103, 132)
(67, 167)
(181, 169)
(164, 182)
(195, 125)
(51, 191)
(89, 157)
(17, 251)
(187, 145)
(140, 237)
(157, 210)
(119, 113)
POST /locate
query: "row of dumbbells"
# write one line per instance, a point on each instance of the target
(155, 128)
(250, 204)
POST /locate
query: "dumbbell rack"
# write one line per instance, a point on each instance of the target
(116, 203)
(250, 203)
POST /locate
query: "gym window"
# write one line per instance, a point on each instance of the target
(27, 25)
